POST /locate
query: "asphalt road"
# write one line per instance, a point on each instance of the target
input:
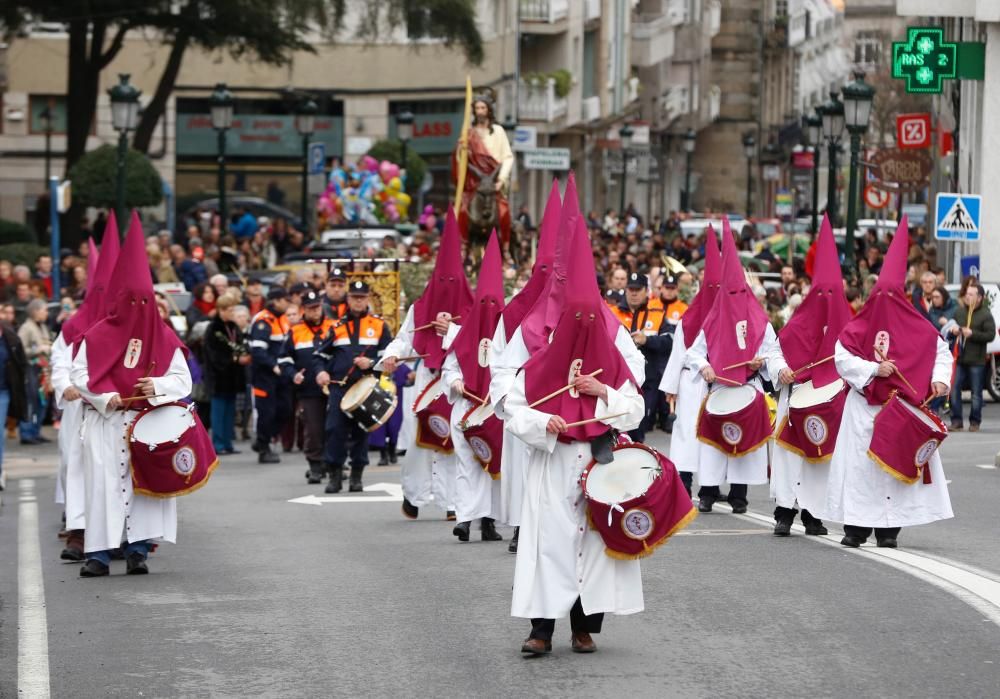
(266, 597)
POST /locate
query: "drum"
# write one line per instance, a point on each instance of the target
(735, 420)
(368, 402)
(432, 412)
(170, 452)
(636, 502)
(904, 439)
(813, 420)
(483, 430)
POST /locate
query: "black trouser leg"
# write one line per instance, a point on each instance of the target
(686, 478)
(266, 420)
(858, 532)
(882, 534)
(584, 623)
(710, 491)
(312, 412)
(738, 494)
(542, 629)
(787, 514)
(359, 444)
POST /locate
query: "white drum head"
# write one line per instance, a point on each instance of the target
(627, 477)
(730, 399)
(806, 395)
(922, 415)
(479, 415)
(162, 425)
(434, 389)
(354, 396)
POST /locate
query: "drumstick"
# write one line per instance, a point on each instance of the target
(928, 401)
(734, 366)
(131, 398)
(729, 381)
(593, 419)
(431, 325)
(561, 390)
(412, 357)
(898, 372)
(149, 371)
(811, 365)
(473, 396)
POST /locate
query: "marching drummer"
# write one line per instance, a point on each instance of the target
(562, 568)
(128, 361)
(348, 353)
(466, 372)
(305, 337)
(736, 341)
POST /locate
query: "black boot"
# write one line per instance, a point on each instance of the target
(783, 518)
(266, 456)
(512, 547)
(489, 530)
(461, 530)
(336, 480)
(314, 475)
(356, 472)
(383, 457)
(392, 453)
(410, 511)
(814, 527)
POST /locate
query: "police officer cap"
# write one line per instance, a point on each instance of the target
(276, 292)
(300, 288)
(358, 289)
(311, 298)
(613, 293)
(669, 280)
(336, 273)
(637, 281)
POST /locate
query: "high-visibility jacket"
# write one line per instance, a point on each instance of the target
(350, 337)
(267, 351)
(303, 341)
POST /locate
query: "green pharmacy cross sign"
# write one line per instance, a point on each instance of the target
(925, 60)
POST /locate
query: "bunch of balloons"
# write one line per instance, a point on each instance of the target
(368, 191)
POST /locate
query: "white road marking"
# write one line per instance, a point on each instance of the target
(988, 467)
(978, 591)
(394, 494)
(32, 626)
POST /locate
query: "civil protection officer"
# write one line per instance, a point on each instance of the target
(305, 337)
(348, 353)
(674, 310)
(335, 299)
(270, 373)
(653, 335)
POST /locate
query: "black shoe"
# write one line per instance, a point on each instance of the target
(93, 568)
(512, 547)
(135, 564)
(450, 515)
(409, 510)
(852, 541)
(30, 441)
(392, 455)
(705, 503)
(268, 457)
(228, 452)
(739, 509)
(42, 440)
(816, 529)
(72, 554)
(336, 482)
(886, 543)
(256, 447)
(383, 461)
(782, 527)
(314, 477)
(356, 486)
(461, 530)
(489, 530)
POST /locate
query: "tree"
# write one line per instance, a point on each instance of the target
(94, 177)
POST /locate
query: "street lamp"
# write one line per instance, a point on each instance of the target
(689, 143)
(625, 134)
(832, 115)
(749, 149)
(46, 118)
(814, 130)
(858, 97)
(124, 118)
(404, 132)
(221, 108)
(305, 124)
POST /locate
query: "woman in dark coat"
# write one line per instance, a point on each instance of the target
(13, 377)
(226, 356)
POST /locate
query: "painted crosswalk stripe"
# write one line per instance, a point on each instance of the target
(32, 625)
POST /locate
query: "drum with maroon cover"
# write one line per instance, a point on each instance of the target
(432, 411)
(735, 420)
(904, 439)
(170, 452)
(483, 430)
(635, 502)
(813, 420)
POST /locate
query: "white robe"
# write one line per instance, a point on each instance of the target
(559, 556)
(70, 488)
(690, 389)
(476, 493)
(504, 366)
(714, 467)
(793, 478)
(427, 476)
(859, 492)
(113, 509)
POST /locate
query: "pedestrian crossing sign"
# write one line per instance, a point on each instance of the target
(957, 216)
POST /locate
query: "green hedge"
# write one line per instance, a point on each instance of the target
(13, 232)
(22, 253)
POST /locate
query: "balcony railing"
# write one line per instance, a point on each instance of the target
(537, 101)
(652, 39)
(590, 108)
(544, 10)
(591, 10)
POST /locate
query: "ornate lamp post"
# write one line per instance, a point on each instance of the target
(404, 132)
(46, 118)
(749, 150)
(221, 107)
(305, 124)
(832, 115)
(814, 128)
(124, 118)
(625, 134)
(858, 97)
(689, 143)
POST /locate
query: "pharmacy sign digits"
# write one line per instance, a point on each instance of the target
(925, 60)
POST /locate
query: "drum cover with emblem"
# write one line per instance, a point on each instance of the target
(810, 428)
(432, 411)
(735, 420)
(483, 430)
(636, 502)
(170, 451)
(904, 438)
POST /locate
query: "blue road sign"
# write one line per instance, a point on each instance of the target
(957, 216)
(317, 158)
